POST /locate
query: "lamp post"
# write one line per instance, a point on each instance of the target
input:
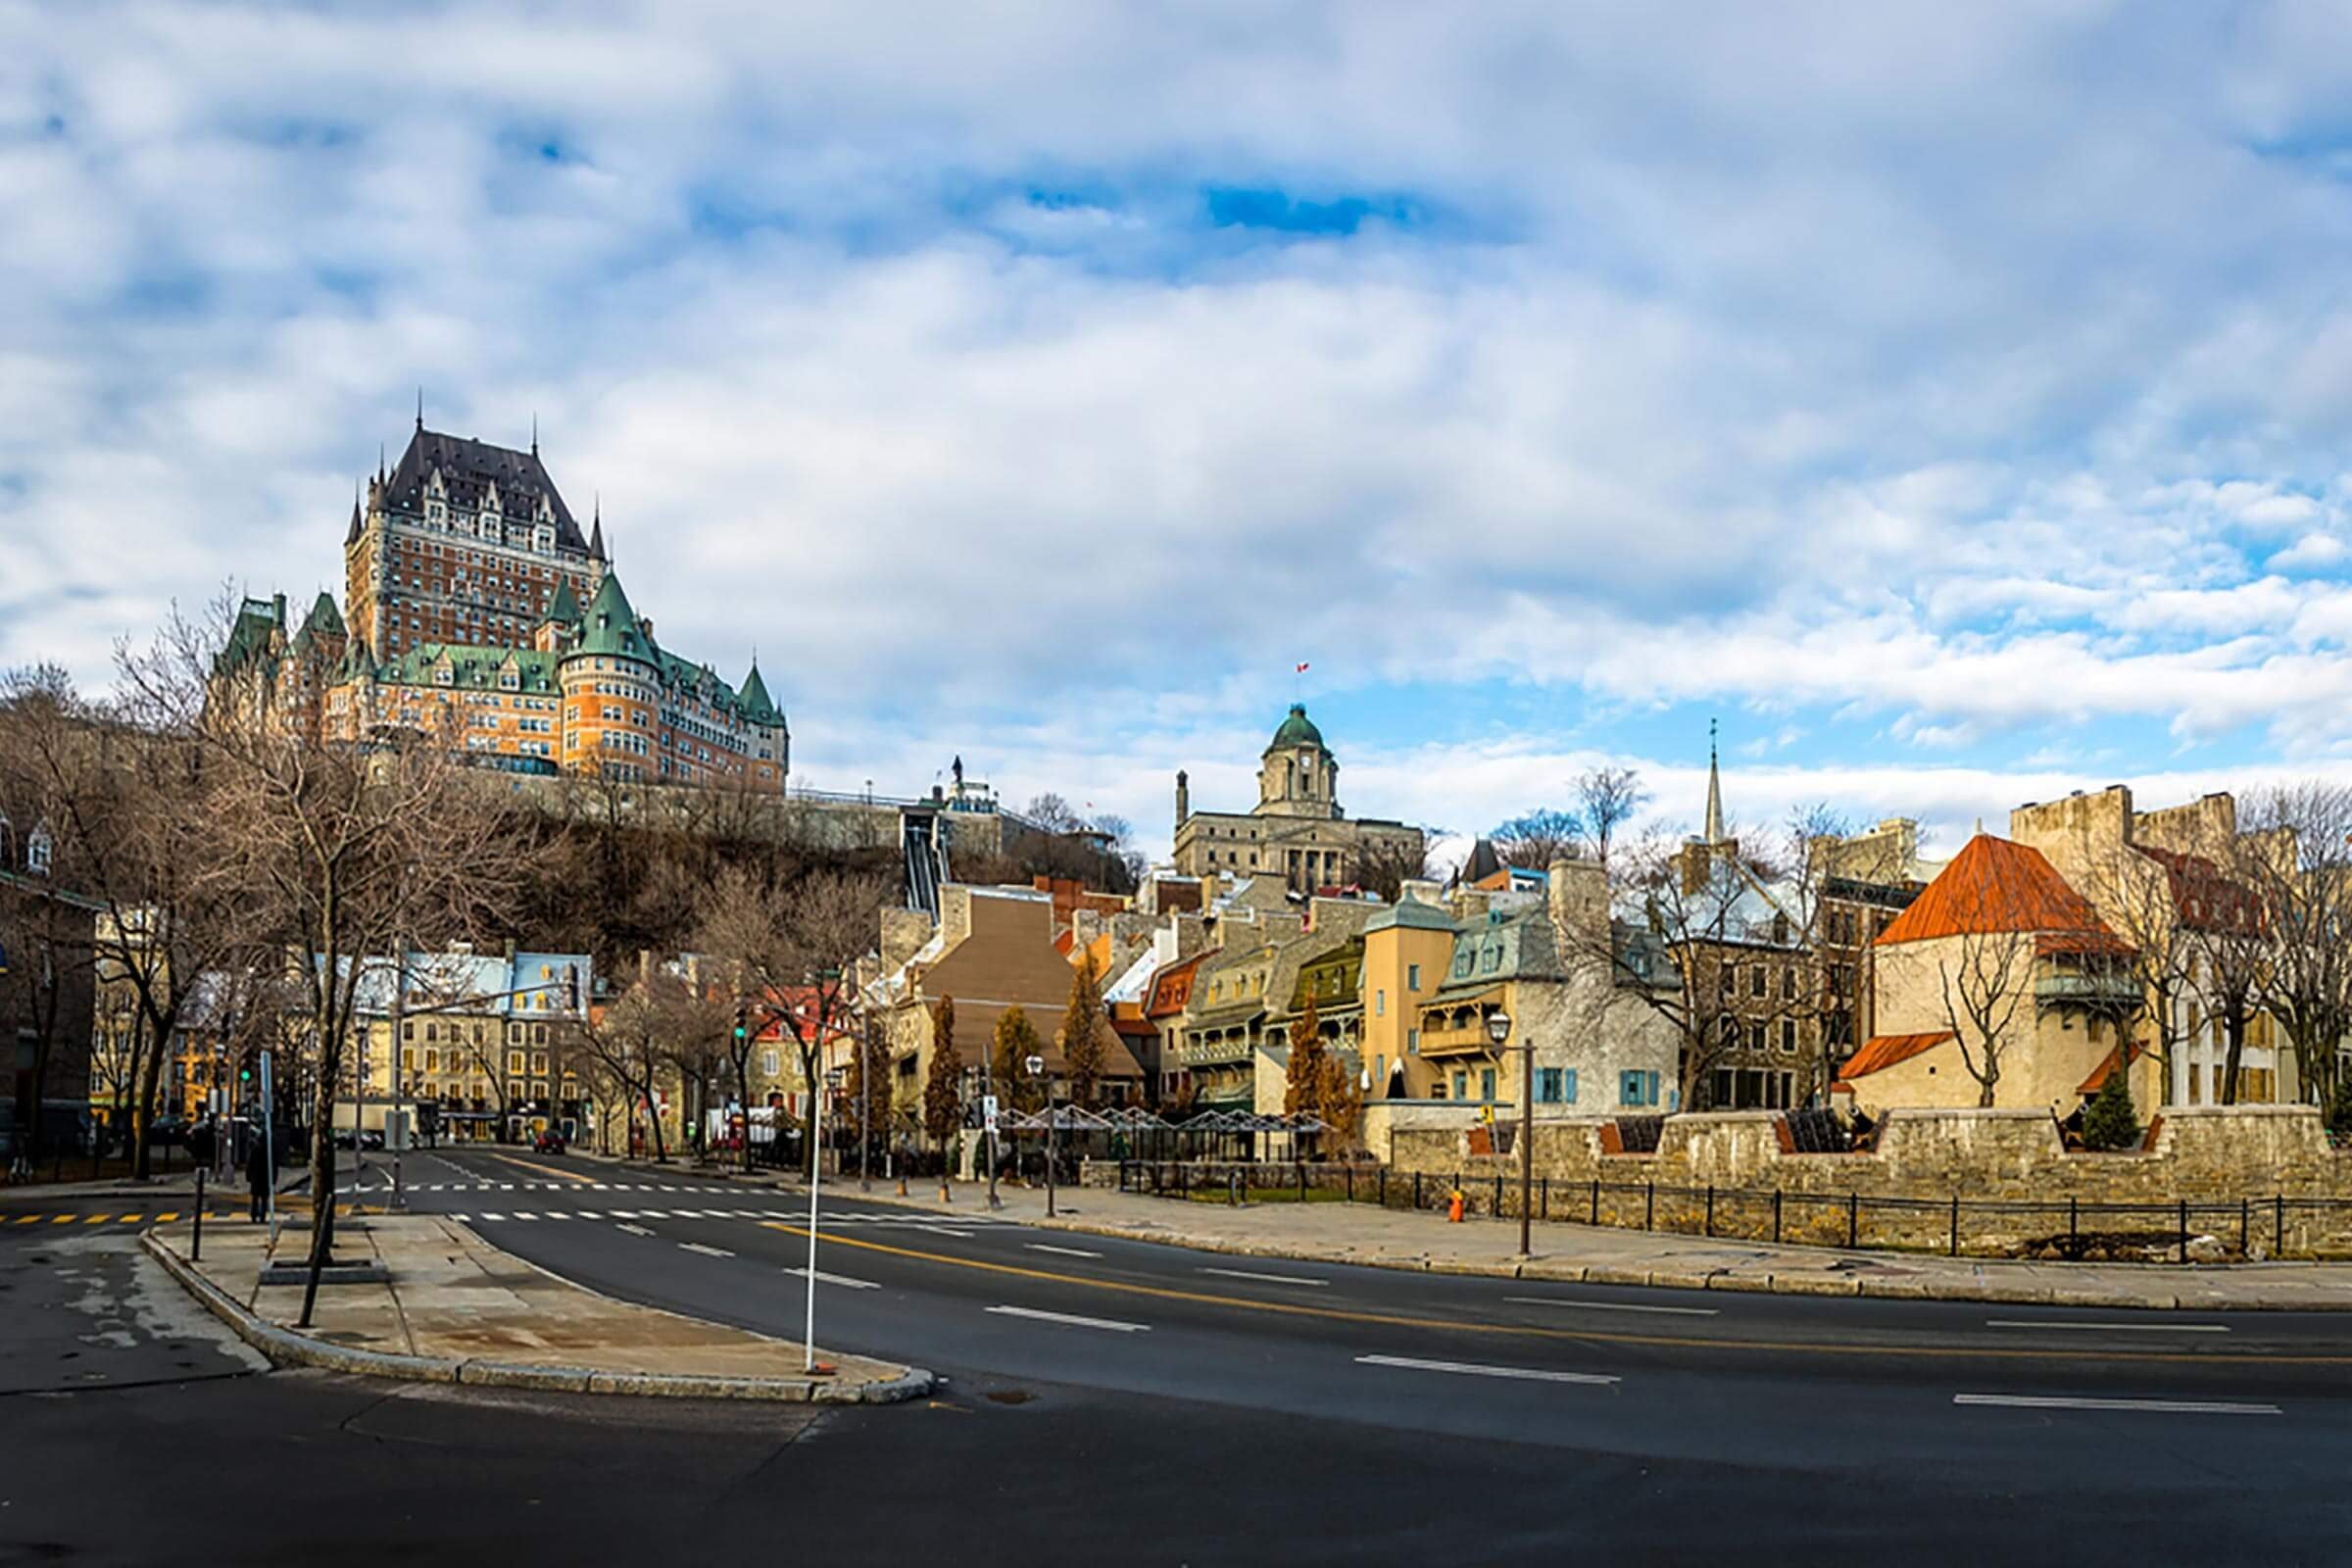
(815, 1171)
(865, 1104)
(1499, 1030)
(1037, 1073)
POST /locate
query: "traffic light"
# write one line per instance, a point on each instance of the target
(741, 1014)
(244, 1075)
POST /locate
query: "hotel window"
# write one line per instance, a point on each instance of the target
(1412, 977)
(1759, 980)
(1485, 1083)
(1412, 1042)
(1461, 1086)
(1547, 1086)
(1788, 1036)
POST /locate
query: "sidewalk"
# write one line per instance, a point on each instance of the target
(179, 1184)
(455, 1309)
(1362, 1233)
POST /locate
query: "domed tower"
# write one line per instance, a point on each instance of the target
(1297, 776)
(612, 693)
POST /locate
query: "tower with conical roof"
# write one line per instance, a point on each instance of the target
(610, 677)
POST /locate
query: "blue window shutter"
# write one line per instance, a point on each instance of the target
(1571, 1081)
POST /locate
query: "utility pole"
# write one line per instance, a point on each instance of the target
(400, 993)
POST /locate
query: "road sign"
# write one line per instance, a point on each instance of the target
(988, 1106)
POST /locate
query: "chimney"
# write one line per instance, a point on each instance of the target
(1578, 893)
(1183, 797)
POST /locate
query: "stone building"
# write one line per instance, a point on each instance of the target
(2000, 969)
(1296, 834)
(47, 992)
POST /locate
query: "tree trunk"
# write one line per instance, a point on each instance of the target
(143, 1111)
(2234, 1026)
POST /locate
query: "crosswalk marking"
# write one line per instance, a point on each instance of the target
(486, 1215)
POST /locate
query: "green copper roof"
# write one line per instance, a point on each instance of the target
(473, 668)
(564, 607)
(323, 620)
(610, 629)
(1297, 730)
(756, 705)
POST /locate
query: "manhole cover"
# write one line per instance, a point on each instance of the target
(1010, 1396)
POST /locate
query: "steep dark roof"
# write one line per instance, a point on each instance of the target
(470, 467)
(756, 705)
(610, 626)
(564, 607)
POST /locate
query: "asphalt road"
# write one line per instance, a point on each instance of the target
(1112, 1398)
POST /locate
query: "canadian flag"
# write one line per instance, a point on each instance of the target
(1302, 669)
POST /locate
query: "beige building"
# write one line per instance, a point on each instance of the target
(2159, 878)
(1999, 969)
(1296, 834)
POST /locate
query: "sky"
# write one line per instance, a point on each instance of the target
(1952, 401)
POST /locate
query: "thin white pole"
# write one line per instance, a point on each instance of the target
(816, 1171)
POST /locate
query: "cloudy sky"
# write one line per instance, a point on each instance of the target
(1954, 400)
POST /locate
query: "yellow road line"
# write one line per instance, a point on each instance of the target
(167, 1216)
(63, 1219)
(29, 1219)
(1581, 1336)
(545, 1170)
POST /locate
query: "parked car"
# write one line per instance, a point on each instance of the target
(550, 1142)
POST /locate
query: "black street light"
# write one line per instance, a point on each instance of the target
(1036, 1072)
(1499, 1030)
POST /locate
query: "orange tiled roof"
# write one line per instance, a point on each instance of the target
(2106, 1069)
(1885, 1050)
(1994, 885)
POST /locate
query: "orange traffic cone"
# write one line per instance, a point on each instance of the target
(1454, 1207)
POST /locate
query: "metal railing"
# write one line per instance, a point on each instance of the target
(2274, 1225)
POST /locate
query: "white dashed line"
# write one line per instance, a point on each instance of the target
(1271, 1279)
(2106, 1328)
(707, 1251)
(1471, 1369)
(633, 1230)
(2034, 1401)
(942, 1230)
(824, 1278)
(1073, 1322)
(1614, 1306)
(1064, 1252)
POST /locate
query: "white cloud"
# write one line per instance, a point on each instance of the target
(1969, 374)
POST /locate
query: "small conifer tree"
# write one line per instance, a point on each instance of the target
(2109, 1123)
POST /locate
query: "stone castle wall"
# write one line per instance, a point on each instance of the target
(2262, 1176)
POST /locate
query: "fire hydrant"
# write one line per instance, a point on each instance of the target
(1453, 1206)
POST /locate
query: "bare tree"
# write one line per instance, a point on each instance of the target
(1986, 981)
(1385, 863)
(330, 852)
(1607, 799)
(789, 952)
(624, 1044)
(2301, 861)
(1535, 839)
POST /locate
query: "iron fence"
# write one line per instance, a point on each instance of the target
(2274, 1225)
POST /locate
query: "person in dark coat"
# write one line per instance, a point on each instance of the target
(258, 1175)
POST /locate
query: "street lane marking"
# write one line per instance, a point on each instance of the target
(553, 1215)
(942, 1230)
(2106, 1328)
(824, 1278)
(100, 1219)
(707, 1251)
(1472, 1369)
(623, 1213)
(633, 1230)
(506, 1187)
(588, 1213)
(520, 1214)
(1065, 1252)
(2036, 1402)
(1112, 1324)
(1271, 1279)
(544, 1170)
(464, 1219)
(2074, 1355)
(63, 1219)
(167, 1216)
(1614, 1307)
(486, 1215)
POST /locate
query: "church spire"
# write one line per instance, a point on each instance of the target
(421, 410)
(1714, 834)
(596, 531)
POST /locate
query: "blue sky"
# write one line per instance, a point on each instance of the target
(1952, 401)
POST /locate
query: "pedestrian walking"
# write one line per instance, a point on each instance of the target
(259, 1175)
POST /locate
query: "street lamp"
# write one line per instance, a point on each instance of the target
(1037, 1074)
(817, 1167)
(1499, 1030)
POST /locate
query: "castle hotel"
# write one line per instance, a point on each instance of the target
(464, 578)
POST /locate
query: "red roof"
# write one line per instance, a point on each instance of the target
(1995, 886)
(2106, 1069)
(1885, 1050)
(1172, 988)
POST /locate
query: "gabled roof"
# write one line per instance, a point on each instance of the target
(1172, 988)
(2106, 1069)
(1995, 886)
(1885, 1050)
(468, 468)
(1523, 947)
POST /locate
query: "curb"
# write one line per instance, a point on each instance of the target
(285, 1347)
(1983, 1290)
